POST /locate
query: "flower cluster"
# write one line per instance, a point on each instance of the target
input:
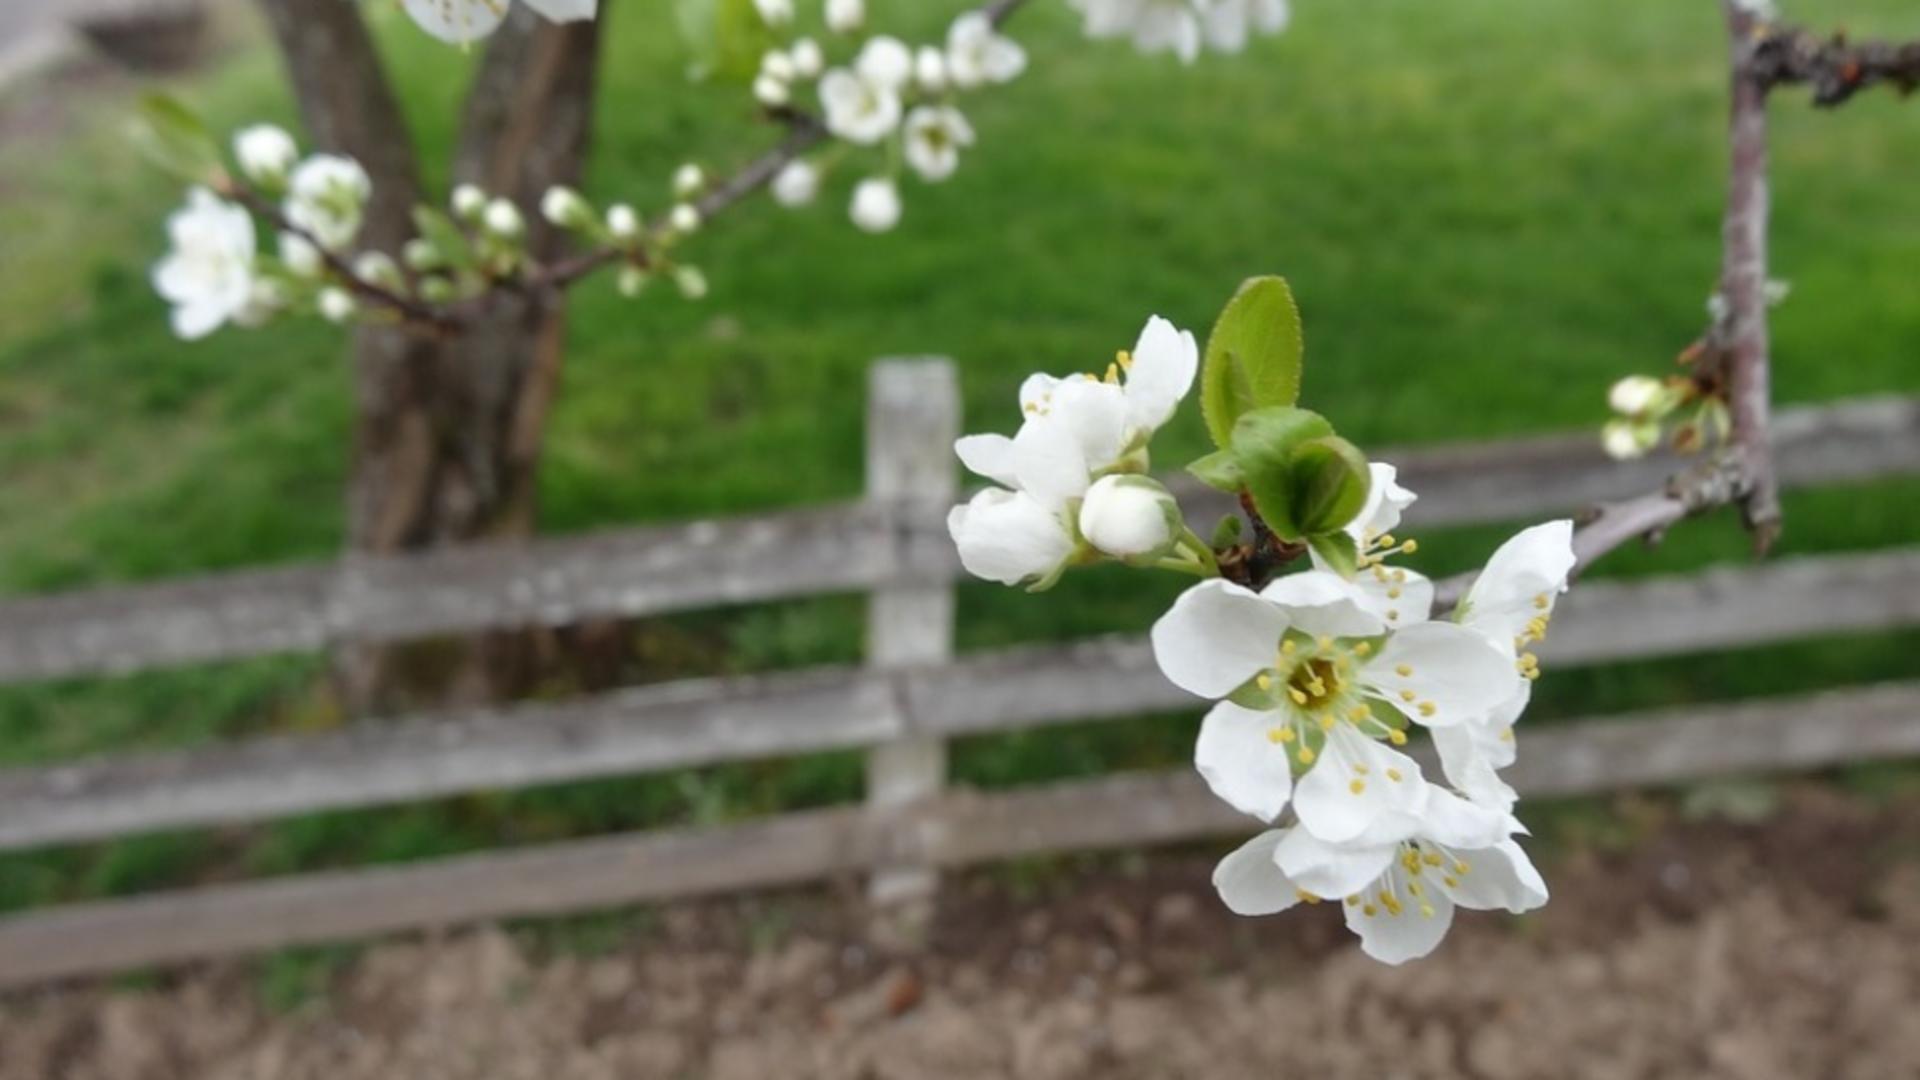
(1183, 27)
(461, 21)
(889, 96)
(1319, 676)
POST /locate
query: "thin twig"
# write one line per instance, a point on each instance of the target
(1743, 278)
(1834, 67)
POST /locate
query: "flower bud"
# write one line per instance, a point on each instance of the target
(502, 219)
(566, 208)
(631, 280)
(930, 69)
(808, 60)
(377, 267)
(301, 258)
(688, 179)
(1625, 439)
(468, 201)
(420, 254)
(684, 217)
(845, 16)
(796, 183)
(266, 154)
(777, 65)
(1130, 516)
(690, 281)
(336, 304)
(876, 204)
(771, 92)
(775, 12)
(1636, 395)
(622, 222)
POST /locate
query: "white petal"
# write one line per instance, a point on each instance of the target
(1449, 819)
(1409, 935)
(1354, 784)
(1401, 601)
(1459, 672)
(1037, 391)
(1049, 463)
(1164, 362)
(1094, 413)
(1242, 766)
(457, 21)
(1468, 768)
(1386, 499)
(1216, 636)
(990, 456)
(1008, 537)
(564, 10)
(1333, 871)
(1322, 602)
(1532, 565)
(1498, 877)
(1248, 881)
(197, 319)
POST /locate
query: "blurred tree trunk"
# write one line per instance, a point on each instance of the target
(448, 427)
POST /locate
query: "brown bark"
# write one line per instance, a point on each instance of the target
(448, 425)
(1743, 281)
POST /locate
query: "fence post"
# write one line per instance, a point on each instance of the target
(913, 417)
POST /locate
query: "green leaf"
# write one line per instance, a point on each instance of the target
(727, 37)
(1253, 356)
(1337, 550)
(1226, 533)
(1263, 443)
(173, 137)
(439, 230)
(1330, 483)
(1219, 470)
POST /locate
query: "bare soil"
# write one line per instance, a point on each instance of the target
(1789, 948)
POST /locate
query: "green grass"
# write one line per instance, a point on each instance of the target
(1488, 209)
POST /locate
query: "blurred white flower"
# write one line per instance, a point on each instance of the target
(326, 197)
(691, 282)
(929, 69)
(503, 219)
(885, 61)
(684, 217)
(299, 257)
(807, 58)
(460, 21)
(566, 208)
(1624, 439)
(1182, 26)
(688, 179)
(771, 92)
(859, 109)
(208, 274)
(934, 136)
(336, 304)
(876, 204)
(1635, 394)
(468, 201)
(796, 183)
(265, 153)
(775, 12)
(622, 222)
(845, 16)
(977, 53)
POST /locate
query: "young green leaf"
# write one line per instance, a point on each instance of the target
(727, 37)
(1263, 443)
(173, 137)
(1253, 356)
(1330, 483)
(1337, 550)
(1219, 470)
(439, 230)
(1226, 533)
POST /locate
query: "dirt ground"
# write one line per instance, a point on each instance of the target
(1785, 949)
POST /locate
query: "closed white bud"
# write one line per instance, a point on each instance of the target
(377, 267)
(771, 92)
(622, 222)
(1636, 394)
(688, 179)
(468, 201)
(1625, 439)
(808, 60)
(775, 12)
(420, 254)
(566, 208)
(930, 69)
(796, 183)
(845, 16)
(876, 204)
(301, 258)
(336, 304)
(691, 282)
(631, 280)
(777, 65)
(503, 219)
(1130, 517)
(684, 218)
(266, 153)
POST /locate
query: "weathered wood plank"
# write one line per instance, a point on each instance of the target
(913, 417)
(630, 572)
(1129, 810)
(708, 721)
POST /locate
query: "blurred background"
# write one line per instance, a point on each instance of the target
(1488, 210)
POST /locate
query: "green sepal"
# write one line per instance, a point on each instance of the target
(1219, 470)
(1253, 357)
(174, 138)
(1337, 550)
(1330, 483)
(1264, 442)
(1227, 532)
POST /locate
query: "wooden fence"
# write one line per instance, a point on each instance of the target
(902, 706)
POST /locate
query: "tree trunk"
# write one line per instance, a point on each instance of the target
(448, 427)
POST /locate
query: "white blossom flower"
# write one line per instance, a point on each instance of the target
(934, 135)
(1624, 439)
(326, 197)
(796, 183)
(929, 69)
(876, 204)
(1182, 26)
(858, 108)
(336, 304)
(775, 12)
(775, 64)
(1395, 594)
(845, 16)
(503, 219)
(885, 61)
(684, 217)
(468, 201)
(977, 53)
(1010, 537)
(265, 153)
(1227, 23)
(1130, 517)
(566, 208)
(688, 179)
(691, 282)
(1635, 394)
(300, 258)
(378, 268)
(807, 58)
(623, 222)
(771, 92)
(1312, 682)
(1399, 884)
(460, 21)
(208, 274)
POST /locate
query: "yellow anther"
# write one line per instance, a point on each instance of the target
(1324, 642)
(1460, 868)
(1394, 775)
(1541, 601)
(1410, 546)
(1357, 786)
(1427, 708)
(1380, 574)
(1264, 681)
(1393, 593)
(1413, 888)
(1402, 670)
(1369, 911)
(1427, 910)
(1359, 712)
(1400, 577)
(1397, 737)
(1113, 373)
(1363, 648)
(1284, 734)
(1431, 858)
(1305, 755)
(1124, 359)
(1506, 734)
(1286, 647)
(1354, 900)
(1450, 881)
(1327, 721)
(1361, 769)
(1532, 673)
(1298, 695)
(1393, 615)
(1408, 696)
(1386, 540)
(1305, 897)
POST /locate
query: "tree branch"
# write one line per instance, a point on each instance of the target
(1743, 278)
(406, 307)
(1835, 68)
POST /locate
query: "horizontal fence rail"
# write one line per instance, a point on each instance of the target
(846, 547)
(1125, 810)
(697, 722)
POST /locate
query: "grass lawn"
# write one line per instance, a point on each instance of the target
(1489, 209)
